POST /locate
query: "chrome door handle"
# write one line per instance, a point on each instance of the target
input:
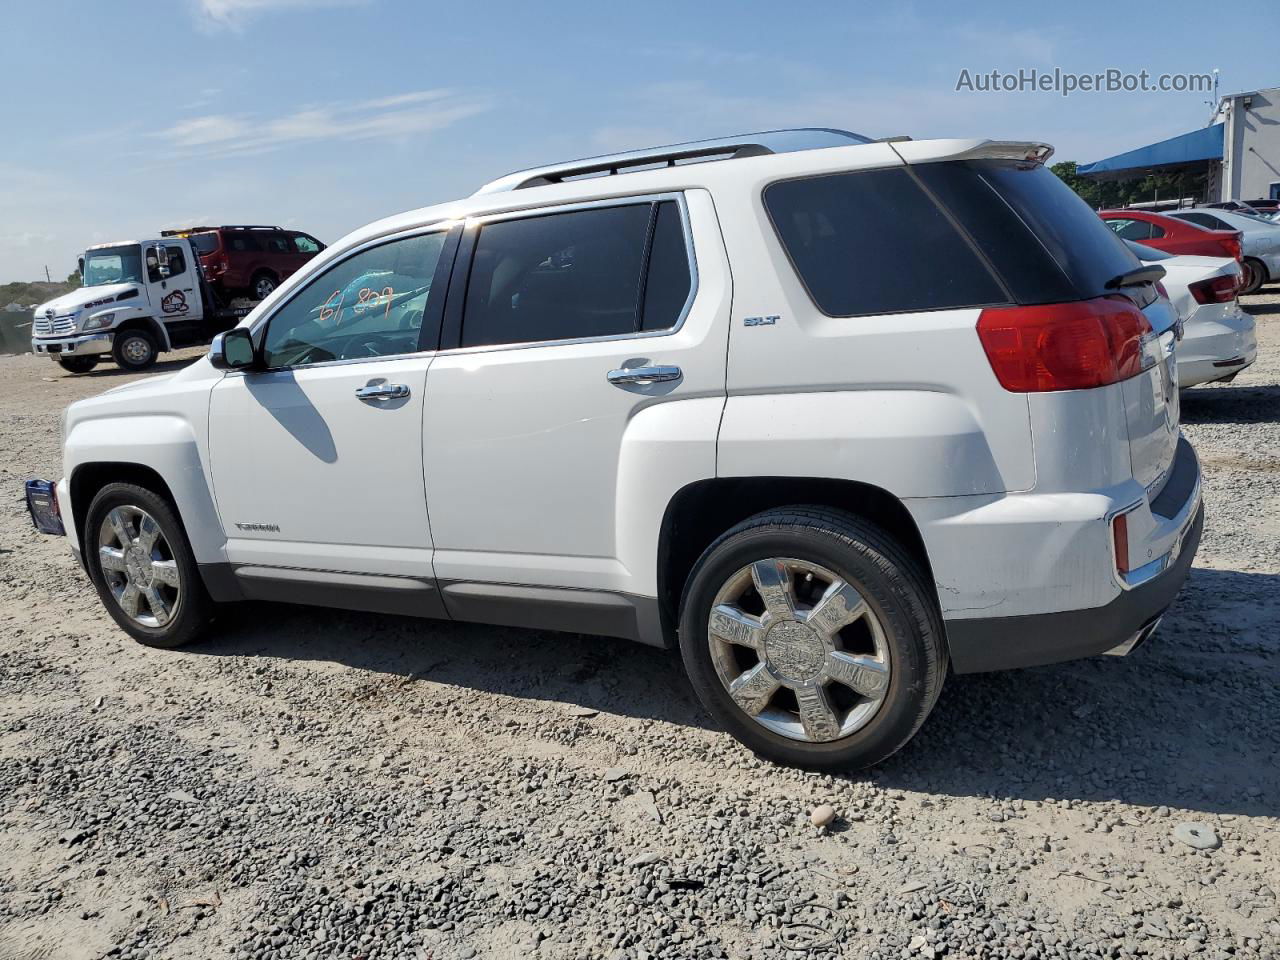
(382, 392)
(643, 375)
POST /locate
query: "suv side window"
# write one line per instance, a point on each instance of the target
(577, 274)
(277, 243)
(667, 285)
(305, 244)
(873, 242)
(369, 305)
(240, 241)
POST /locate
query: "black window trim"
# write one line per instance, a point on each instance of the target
(451, 337)
(941, 207)
(428, 335)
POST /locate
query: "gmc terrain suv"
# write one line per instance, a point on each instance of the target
(700, 396)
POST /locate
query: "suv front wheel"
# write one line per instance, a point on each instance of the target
(811, 636)
(141, 564)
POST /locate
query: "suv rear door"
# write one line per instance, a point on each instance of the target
(540, 417)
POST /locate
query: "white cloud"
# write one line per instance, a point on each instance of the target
(394, 117)
(234, 13)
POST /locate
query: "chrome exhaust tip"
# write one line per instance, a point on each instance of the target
(1134, 642)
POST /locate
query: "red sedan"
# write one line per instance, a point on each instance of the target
(1172, 235)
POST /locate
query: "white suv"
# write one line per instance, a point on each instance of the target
(829, 414)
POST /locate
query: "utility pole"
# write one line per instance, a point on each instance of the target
(47, 278)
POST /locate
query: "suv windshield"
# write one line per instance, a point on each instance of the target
(113, 265)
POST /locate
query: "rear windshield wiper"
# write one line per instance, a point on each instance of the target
(1147, 273)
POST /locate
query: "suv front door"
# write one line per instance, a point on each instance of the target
(582, 383)
(317, 456)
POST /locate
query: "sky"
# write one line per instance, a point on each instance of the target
(123, 117)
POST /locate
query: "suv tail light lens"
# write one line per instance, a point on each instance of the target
(1215, 289)
(1120, 538)
(1233, 246)
(1065, 346)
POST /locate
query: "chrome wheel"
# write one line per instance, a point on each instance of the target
(262, 288)
(799, 649)
(138, 566)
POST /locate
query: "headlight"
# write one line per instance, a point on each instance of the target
(99, 321)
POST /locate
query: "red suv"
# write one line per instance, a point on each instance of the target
(250, 259)
(1172, 235)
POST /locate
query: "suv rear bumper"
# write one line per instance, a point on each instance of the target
(1033, 578)
(1004, 643)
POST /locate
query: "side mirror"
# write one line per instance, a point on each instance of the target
(232, 350)
(80, 268)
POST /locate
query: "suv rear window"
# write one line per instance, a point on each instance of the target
(1047, 244)
(874, 242)
(204, 242)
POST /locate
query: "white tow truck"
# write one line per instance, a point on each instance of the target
(139, 298)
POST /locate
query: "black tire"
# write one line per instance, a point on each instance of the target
(896, 589)
(1255, 275)
(262, 284)
(193, 609)
(77, 364)
(134, 350)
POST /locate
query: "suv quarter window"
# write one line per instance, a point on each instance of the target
(873, 242)
(370, 305)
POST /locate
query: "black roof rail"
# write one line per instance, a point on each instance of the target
(722, 148)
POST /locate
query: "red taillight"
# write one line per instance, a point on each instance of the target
(1120, 535)
(1233, 246)
(1215, 289)
(1064, 346)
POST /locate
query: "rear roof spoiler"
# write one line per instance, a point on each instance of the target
(927, 151)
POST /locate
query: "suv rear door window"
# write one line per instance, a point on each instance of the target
(667, 284)
(874, 242)
(242, 242)
(558, 276)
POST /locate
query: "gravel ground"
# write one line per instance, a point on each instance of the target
(322, 784)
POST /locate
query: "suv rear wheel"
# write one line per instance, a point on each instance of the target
(811, 636)
(262, 284)
(139, 559)
(134, 350)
